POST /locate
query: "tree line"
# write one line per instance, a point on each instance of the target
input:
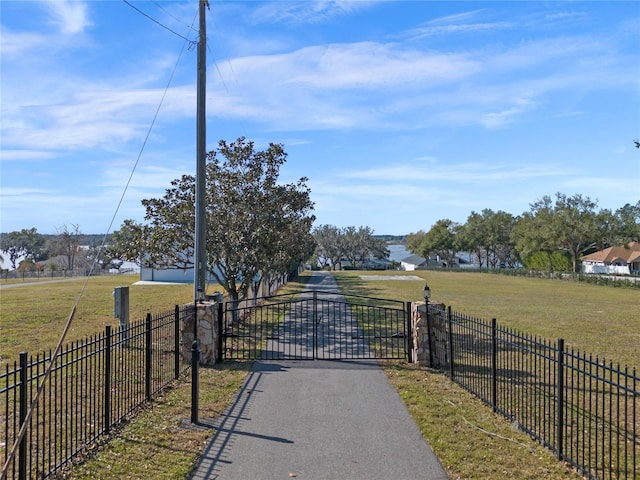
(259, 229)
(69, 249)
(553, 235)
(356, 245)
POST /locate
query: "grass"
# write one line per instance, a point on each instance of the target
(32, 317)
(155, 444)
(471, 442)
(598, 320)
(469, 439)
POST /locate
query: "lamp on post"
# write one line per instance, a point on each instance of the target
(426, 293)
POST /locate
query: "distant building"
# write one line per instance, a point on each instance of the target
(414, 262)
(171, 275)
(614, 260)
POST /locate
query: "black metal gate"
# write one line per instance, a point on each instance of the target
(315, 325)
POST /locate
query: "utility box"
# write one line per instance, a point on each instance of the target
(121, 303)
(121, 311)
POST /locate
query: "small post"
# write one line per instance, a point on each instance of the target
(315, 324)
(432, 343)
(195, 366)
(24, 405)
(426, 294)
(449, 324)
(560, 400)
(176, 342)
(494, 366)
(107, 379)
(220, 331)
(409, 343)
(148, 358)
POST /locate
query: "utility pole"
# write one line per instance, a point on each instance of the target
(200, 264)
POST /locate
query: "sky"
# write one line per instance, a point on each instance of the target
(399, 113)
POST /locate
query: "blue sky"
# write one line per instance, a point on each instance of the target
(399, 113)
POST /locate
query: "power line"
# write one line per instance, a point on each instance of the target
(173, 16)
(191, 42)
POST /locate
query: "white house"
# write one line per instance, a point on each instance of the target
(413, 263)
(614, 260)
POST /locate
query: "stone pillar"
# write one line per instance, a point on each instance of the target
(420, 333)
(207, 320)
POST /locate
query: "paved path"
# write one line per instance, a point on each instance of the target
(317, 420)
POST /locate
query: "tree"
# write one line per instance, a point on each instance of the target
(355, 244)
(499, 246)
(254, 223)
(129, 244)
(67, 244)
(534, 232)
(575, 225)
(473, 238)
(27, 243)
(413, 242)
(360, 245)
(441, 240)
(256, 228)
(329, 245)
(628, 223)
(570, 224)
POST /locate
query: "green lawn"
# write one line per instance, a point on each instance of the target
(32, 317)
(599, 320)
(469, 439)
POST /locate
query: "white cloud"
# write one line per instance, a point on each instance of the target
(16, 44)
(70, 17)
(90, 116)
(25, 155)
(316, 11)
(146, 177)
(463, 173)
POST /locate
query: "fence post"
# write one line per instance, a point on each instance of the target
(560, 402)
(494, 366)
(409, 328)
(430, 334)
(220, 330)
(107, 378)
(176, 342)
(449, 325)
(195, 366)
(315, 323)
(24, 405)
(147, 363)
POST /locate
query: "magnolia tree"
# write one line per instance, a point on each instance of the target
(257, 228)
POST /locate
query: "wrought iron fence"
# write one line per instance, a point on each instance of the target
(583, 409)
(94, 385)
